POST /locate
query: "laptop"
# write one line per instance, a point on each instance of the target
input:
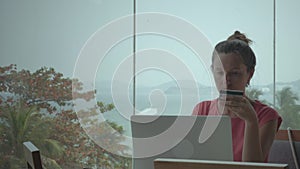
(179, 137)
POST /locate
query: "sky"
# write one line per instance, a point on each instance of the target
(53, 33)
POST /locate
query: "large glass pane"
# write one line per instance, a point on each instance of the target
(174, 48)
(287, 73)
(215, 20)
(48, 41)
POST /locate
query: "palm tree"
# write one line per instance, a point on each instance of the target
(286, 105)
(286, 97)
(20, 122)
(288, 108)
(255, 94)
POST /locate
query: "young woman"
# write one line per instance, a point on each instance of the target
(254, 124)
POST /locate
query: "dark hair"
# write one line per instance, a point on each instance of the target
(237, 43)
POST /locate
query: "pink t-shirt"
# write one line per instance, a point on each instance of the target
(264, 114)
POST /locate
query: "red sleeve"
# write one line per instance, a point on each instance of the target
(196, 109)
(202, 108)
(266, 114)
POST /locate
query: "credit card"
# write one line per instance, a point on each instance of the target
(232, 92)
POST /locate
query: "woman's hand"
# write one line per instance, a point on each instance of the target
(238, 106)
(241, 107)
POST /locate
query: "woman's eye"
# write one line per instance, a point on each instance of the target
(235, 73)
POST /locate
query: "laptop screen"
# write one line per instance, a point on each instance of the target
(179, 137)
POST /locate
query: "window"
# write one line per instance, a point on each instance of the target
(173, 43)
(287, 76)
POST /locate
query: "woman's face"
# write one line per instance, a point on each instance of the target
(230, 72)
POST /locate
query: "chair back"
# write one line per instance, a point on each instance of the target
(286, 148)
(32, 156)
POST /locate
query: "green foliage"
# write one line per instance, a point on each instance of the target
(44, 87)
(22, 122)
(116, 127)
(33, 109)
(286, 105)
(255, 94)
(288, 108)
(105, 108)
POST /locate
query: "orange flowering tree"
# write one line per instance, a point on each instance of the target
(39, 105)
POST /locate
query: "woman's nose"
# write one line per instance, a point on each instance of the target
(226, 81)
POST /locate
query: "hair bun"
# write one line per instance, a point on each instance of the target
(239, 36)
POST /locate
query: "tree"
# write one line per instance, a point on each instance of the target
(49, 96)
(286, 105)
(255, 94)
(44, 87)
(288, 108)
(102, 139)
(22, 122)
(81, 149)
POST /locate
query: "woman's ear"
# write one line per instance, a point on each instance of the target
(251, 72)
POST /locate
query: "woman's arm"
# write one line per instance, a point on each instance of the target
(258, 141)
(267, 135)
(252, 150)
